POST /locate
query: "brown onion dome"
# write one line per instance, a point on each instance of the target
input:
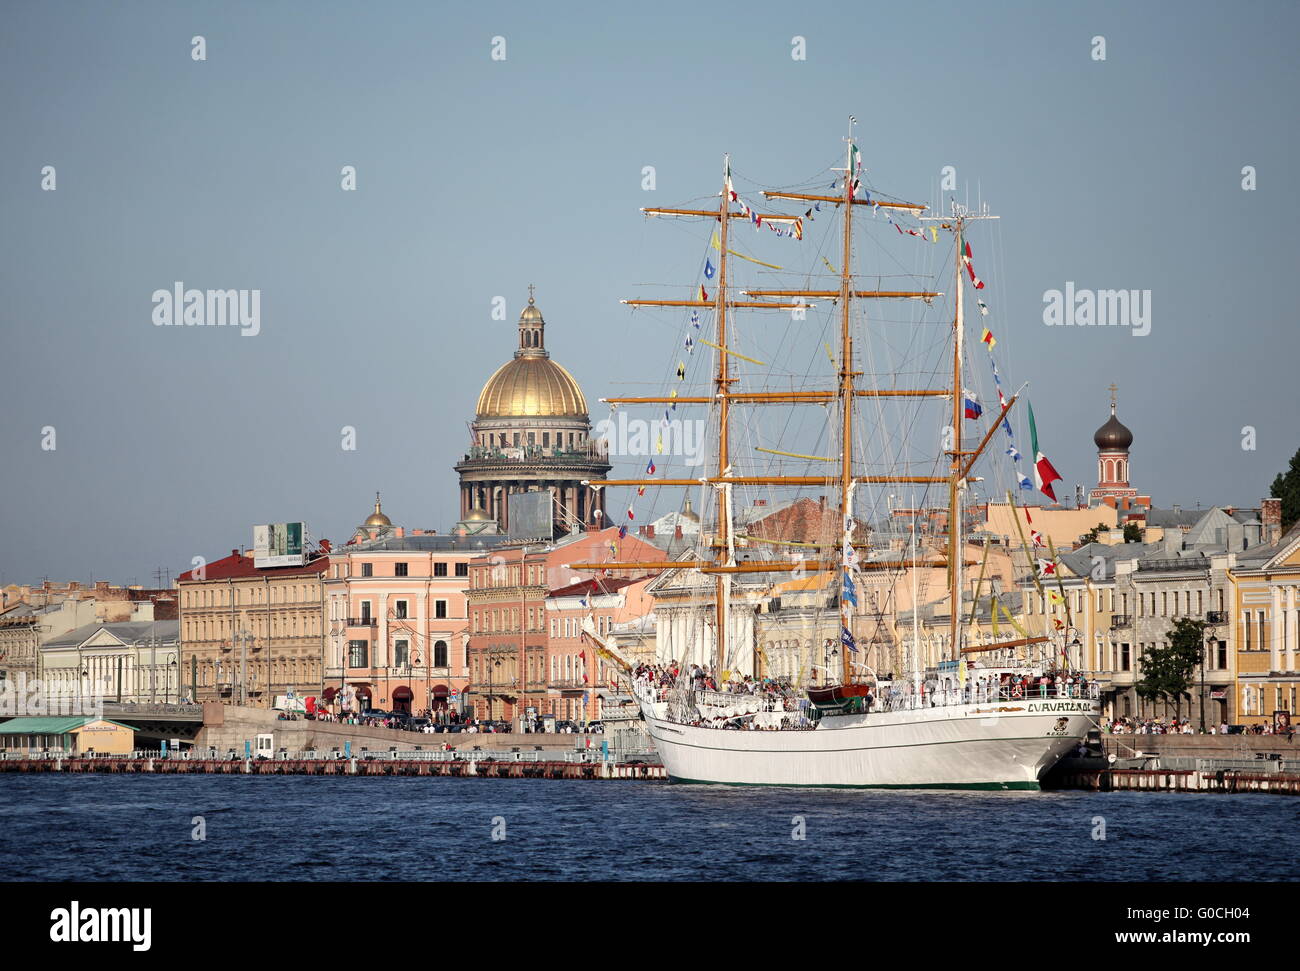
(1113, 436)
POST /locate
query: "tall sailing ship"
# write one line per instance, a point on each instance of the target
(988, 715)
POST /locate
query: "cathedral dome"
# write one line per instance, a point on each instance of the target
(1113, 436)
(532, 387)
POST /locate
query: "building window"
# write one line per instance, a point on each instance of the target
(1125, 658)
(399, 611)
(440, 608)
(440, 569)
(367, 569)
(401, 653)
(440, 654)
(462, 569)
(400, 569)
(356, 654)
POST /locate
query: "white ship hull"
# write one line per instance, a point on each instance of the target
(992, 745)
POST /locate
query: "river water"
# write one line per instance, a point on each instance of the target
(129, 827)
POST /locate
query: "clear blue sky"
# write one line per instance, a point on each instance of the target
(478, 177)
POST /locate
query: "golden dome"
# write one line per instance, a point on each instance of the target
(688, 513)
(377, 518)
(531, 386)
(477, 515)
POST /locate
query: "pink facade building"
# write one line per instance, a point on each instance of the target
(396, 618)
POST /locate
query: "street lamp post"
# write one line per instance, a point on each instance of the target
(1211, 636)
(169, 667)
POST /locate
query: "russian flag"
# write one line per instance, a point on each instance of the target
(973, 409)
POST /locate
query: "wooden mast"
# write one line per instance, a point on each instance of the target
(954, 488)
(846, 393)
(722, 582)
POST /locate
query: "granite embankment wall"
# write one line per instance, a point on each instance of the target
(1202, 746)
(227, 727)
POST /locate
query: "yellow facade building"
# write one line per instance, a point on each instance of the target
(1266, 623)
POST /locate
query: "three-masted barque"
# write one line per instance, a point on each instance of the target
(1001, 729)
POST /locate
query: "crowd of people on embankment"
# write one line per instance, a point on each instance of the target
(1176, 726)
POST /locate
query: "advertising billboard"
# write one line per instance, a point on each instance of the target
(531, 515)
(279, 544)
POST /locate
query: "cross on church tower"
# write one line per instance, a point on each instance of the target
(531, 288)
(1114, 396)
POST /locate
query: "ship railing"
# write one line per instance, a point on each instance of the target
(984, 694)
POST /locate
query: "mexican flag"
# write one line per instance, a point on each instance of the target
(1044, 473)
(969, 260)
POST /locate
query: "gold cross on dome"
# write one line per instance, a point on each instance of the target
(531, 288)
(1114, 392)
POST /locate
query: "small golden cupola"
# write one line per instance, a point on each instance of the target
(377, 518)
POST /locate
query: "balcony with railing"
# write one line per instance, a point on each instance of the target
(568, 684)
(1121, 620)
(363, 622)
(561, 455)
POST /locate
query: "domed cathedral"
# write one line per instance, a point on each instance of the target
(1113, 440)
(531, 432)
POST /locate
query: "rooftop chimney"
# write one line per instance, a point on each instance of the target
(400, 532)
(1270, 514)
